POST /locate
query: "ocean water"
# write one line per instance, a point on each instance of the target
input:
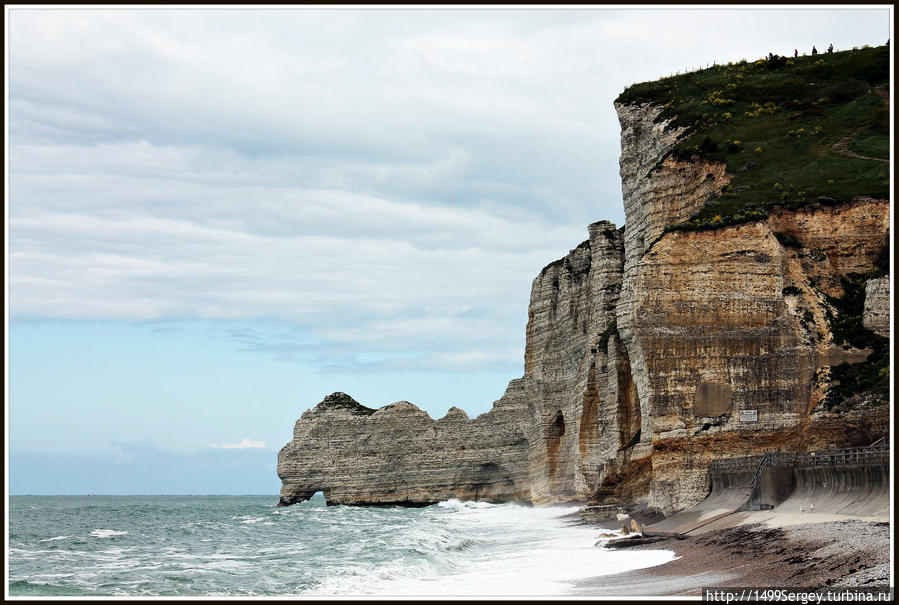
(247, 546)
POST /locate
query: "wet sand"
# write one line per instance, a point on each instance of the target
(781, 553)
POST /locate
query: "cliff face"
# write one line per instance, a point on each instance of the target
(400, 455)
(542, 441)
(566, 379)
(727, 321)
(644, 345)
(877, 306)
(731, 319)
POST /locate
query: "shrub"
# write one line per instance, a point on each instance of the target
(602, 341)
(708, 146)
(775, 62)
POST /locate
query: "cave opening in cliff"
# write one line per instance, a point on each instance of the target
(554, 434)
(629, 414)
(557, 428)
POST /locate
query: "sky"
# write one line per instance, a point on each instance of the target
(216, 217)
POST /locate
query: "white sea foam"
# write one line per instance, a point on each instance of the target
(452, 549)
(453, 503)
(224, 564)
(107, 533)
(112, 551)
(480, 549)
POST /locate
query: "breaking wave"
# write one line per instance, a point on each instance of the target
(245, 545)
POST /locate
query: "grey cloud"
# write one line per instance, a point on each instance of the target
(413, 339)
(363, 175)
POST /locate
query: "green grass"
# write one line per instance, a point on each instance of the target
(874, 144)
(774, 125)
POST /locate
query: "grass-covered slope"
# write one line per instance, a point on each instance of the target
(784, 126)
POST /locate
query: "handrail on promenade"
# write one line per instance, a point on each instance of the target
(758, 464)
(851, 455)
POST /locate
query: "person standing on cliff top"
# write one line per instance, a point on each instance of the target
(830, 48)
(814, 51)
(795, 52)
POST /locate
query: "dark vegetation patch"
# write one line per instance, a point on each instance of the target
(555, 263)
(882, 262)
(871, 375)
(873, 144)
(344, 401)
(565, 263)
(634, 440)
(787, 241)
(773, 122)
(602, 342)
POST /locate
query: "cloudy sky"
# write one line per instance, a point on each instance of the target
(217, 217)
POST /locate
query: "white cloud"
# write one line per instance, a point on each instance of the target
(363, 175)
(244, 444)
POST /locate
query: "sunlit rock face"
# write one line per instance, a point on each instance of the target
(877, 306)
(728, 319)
(643, 348)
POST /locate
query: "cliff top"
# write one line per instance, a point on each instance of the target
(340, 400)
(792, 131)
(606, 229)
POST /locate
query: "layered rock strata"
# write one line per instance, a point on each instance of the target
(399, 455)
(650, 352)
(727, 321)
(877, 306)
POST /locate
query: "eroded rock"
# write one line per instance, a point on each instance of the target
(877, 306)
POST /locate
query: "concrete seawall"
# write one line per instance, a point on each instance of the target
(852, 483)
(856, 491)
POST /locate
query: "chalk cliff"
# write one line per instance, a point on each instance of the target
(399, 455)
(650, 352)
(877, 306)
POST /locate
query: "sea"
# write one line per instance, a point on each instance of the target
(246, 546)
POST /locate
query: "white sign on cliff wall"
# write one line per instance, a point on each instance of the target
(749, 415)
